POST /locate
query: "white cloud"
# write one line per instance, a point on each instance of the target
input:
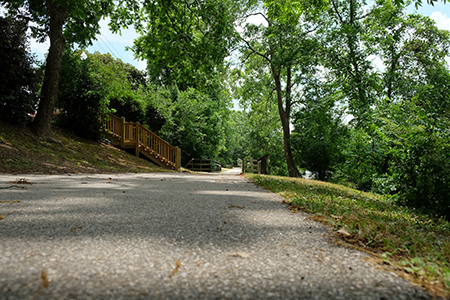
(442, 20)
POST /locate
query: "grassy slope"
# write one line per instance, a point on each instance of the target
(413, 245)
(21, 153)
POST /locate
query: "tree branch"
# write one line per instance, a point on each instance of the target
(337, 12)
(258, 13)
(198, 18)
(256, 52)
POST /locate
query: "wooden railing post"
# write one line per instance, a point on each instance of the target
(177, 159)
(137, 138)
(122, 132)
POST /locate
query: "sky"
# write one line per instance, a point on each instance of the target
(107, 42)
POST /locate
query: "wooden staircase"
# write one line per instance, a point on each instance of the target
(125, 134)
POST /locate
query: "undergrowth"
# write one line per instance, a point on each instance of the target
(415, 245)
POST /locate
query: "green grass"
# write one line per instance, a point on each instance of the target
(415, 245)
(21, 152)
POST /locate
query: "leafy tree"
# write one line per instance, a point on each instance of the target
(185, 43)
(235, 138)
(81, 95)
(282, 48)
(319, 135)
(94, 84)
(194, 123)
(417, 139)
(75, 21)
(408, 45)
(347, 58)
(18, 79)
(259, 122)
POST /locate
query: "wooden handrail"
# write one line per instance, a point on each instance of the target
(144, 139)
(250, 165)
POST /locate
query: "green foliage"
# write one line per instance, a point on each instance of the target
(259, 123)
(18, 78)
(185, 43)
(81, 95)
(319, 136)
(81, 25)
(195, 123)
(361, 157)
(347, 59)
(94, 84)
(408, 46)
(418, 141)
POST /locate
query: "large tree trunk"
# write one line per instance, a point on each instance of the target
(49, 91)
(285, 114)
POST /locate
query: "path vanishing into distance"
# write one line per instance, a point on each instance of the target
(172, 236)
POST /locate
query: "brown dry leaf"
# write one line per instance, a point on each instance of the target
(176, 269)
(45, 281)
(10, 201)
(74, 229)
(1, 217)
(237, 206)
(293, 209)
(343, 232)
(239, 254)
(123, 191)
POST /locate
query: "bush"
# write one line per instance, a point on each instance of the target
(81, 96)
(418, 142)
(18, 78)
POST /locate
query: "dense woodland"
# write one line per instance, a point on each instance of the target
(356, 92)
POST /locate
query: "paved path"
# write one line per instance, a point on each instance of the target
(234, 171)
(172, 236)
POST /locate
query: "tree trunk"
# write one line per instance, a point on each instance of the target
(49, 91)
(285, 121)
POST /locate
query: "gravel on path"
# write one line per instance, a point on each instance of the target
(172, 236)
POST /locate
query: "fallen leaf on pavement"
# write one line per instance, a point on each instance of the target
(1, 217)
(10, 201)
(231, 206)
(176, 269)
(45, 281)
(74, 229)
(239, 254)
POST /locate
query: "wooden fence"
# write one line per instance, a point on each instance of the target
(250, 165)
(133, 135)
(203, 165)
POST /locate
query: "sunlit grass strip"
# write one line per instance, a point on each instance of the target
(413, 243)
